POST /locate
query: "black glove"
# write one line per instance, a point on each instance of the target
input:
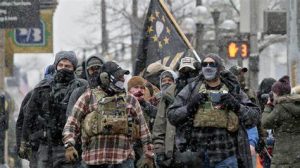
(195, 101)
(160, 158)
(230, 102)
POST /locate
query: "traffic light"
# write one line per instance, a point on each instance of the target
(238, 49)
(232, 49)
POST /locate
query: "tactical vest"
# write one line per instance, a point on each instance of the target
(209, 116)
(110, 117)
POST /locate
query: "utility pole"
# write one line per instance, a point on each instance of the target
(199, 33)
(254, 54)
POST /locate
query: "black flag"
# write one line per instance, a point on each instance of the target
(161, 40)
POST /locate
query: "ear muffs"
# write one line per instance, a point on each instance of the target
(197, 65)
(104, 78)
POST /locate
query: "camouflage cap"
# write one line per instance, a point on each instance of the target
(237, 69)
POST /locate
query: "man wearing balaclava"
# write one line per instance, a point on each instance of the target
(163, 132)
(46, 111)
(211, 115)
(92, 72)
(109, 120)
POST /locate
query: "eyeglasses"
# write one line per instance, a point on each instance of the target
(211, 64)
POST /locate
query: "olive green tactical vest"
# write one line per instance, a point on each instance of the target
(209, 116)
(110, 117)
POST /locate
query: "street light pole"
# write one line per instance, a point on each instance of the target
(199, 38)
(216, 15)
(199, 33)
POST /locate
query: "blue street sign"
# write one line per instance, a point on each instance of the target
(30, 36)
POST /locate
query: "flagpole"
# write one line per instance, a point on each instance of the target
(163, 5)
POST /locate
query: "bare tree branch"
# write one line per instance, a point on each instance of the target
(234, 7)
(268, 41)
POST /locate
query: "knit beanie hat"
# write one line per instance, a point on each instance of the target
(135, 81)
(69, 55)
(282, 86)
(217, 59)
(168, 73)
(93, 61)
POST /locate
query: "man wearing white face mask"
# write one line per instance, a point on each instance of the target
(211, 115)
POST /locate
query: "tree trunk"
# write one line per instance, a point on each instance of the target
(134, 32)
(104, 43)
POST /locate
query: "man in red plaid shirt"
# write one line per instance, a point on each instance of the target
(110, 122)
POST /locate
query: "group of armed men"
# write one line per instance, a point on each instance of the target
(199, 116)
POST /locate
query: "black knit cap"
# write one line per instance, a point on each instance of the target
(69, 55)
(217, 59)
(282, 86)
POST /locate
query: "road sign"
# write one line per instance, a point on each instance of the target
(30, 36)
(35, 39)
(16, 13)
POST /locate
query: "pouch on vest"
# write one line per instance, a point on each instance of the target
(110, 118)
(209, 116)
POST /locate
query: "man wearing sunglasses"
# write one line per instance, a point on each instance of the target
(211, 115)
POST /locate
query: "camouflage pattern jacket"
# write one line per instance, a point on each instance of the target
(284, 118)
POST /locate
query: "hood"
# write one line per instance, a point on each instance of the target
(291, 103)
(173, 73)
(87, 63)
(230, 80)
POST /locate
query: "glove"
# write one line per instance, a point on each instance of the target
(195, 101)
(160, 158)
(71, 154)
(230, 102)
(24, 151)
(145, 162)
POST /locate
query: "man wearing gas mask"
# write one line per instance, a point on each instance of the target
(211, 115)
(46, 111)
(109, 122)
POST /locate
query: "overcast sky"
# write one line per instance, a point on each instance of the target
(67, 29)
